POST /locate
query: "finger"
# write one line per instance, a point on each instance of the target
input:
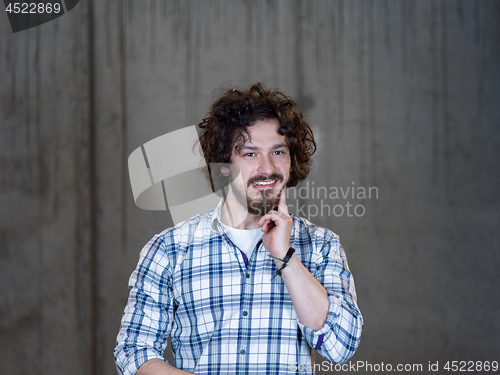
(282, 203)
(275, 217)
(263, 220)
(267, 226)
(271, 215)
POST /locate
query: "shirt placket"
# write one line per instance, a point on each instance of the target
(244, 331)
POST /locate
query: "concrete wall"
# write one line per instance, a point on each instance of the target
(403, 97)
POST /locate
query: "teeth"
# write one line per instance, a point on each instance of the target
(264, 182)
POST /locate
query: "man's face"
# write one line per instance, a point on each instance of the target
(264, 163)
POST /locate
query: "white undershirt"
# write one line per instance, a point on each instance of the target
(244, 239)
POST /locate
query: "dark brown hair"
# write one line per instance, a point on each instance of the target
(231, 114)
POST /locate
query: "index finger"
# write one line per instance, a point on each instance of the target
(282, 203)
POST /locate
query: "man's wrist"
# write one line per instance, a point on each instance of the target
(285, 260)
(279, 253)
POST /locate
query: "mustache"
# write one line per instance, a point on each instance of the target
(274, 176)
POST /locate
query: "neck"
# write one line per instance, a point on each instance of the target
(236, 216)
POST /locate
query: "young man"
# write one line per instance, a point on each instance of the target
(245, 288)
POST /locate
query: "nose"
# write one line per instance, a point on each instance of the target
(266, 166)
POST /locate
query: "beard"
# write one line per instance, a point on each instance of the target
(267, 201)
(261, 206)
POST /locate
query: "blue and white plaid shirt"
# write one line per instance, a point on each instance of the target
(227, 314)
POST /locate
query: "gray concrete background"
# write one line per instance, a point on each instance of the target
(402, 95)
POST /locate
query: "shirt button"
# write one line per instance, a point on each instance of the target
(248, 275)
(243, 351)
(245, 313)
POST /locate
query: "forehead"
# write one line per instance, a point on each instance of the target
(262, 133)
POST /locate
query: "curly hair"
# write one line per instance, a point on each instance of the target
(226, 125)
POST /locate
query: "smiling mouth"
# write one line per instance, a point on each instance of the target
(264, 183)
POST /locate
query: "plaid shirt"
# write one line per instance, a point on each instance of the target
(230, 315)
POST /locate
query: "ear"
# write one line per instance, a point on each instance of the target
(224, 170)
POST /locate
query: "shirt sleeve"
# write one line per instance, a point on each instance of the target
(148, 315)
(339, 338)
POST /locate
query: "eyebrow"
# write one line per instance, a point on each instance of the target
(255, 148)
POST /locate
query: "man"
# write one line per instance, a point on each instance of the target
(245, 288)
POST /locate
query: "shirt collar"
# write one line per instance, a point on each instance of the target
(216, 217)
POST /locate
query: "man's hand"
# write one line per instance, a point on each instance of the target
(309, 298)
(277, 227)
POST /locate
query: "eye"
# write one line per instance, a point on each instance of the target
(278, 153)
(249, 154)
